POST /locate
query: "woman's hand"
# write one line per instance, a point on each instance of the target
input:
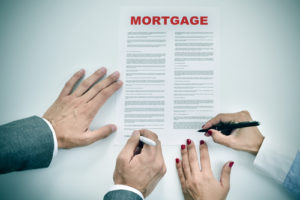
(246, 139)
(199, 183)
(73, 111)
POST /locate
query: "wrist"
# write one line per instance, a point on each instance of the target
(260, 143)
(128, 188)
(139, 189)
(122, 181)
(59, 138)
(257, 145)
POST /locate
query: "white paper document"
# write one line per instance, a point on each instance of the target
(169, 65)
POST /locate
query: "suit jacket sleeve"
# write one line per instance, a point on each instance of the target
(25, 144)
(121, 195)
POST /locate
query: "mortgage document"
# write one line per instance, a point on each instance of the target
(169, 64)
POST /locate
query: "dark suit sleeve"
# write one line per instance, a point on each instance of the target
(25, 144)
(121, 195)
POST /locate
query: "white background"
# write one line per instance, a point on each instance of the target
(43, 42)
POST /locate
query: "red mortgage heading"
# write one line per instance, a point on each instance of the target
(166, 20)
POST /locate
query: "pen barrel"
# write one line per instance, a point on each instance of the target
(242, 125)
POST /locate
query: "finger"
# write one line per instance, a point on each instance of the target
(152, 150)
(225, 176)
(218, 118)
(193, 158)
(100, 133)
(180, 173)
(102, 96)
(71, 83)
(219, 138)
(130, 147)
(185, 162)
(149, 134)
(87, 83)
(93, 91)
(204, 157)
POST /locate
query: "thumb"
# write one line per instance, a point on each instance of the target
(218, 137)
(225, 176)
(131, 145)
(100, 133)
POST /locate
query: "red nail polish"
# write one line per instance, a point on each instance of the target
(177, 160)
(231, 164)
(188, 141)
(201, 142)
(209, 132)
(182, 146)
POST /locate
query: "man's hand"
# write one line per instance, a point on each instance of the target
(142, 171)
(200, 184)
(246, 139)
(73, 111)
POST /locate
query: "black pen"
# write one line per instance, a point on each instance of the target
(227, 127)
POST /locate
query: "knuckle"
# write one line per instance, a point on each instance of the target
(99, 73)
(98, 87)
(158, 167)
(111, 78)
(245, 115)
(230, 143)
(121, 158)
(194, 182)
(68, 84)
(105, 93)
(76, 102)
(78, 74)
(183, 187)
(227, 186)
(192, 159)
(245, 112)
(188, 184)
(204, 156)
(84, 140)
(219, 116)
(206, 177)
(65, 100)
(149, 133)
(164, 171)
(158, 142)
(216, 139)
(85, 84)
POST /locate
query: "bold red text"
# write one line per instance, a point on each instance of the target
(166, 20)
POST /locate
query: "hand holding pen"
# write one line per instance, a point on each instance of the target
(144, 169)
(245, 139)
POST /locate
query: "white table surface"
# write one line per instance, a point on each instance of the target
(43, 42)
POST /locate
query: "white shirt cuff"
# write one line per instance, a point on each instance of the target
(275, 159)
(55, 149)
(126, 187)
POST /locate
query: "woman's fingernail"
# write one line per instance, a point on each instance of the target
(201, 142)
(231, 164)
(188, 141)
(177, 160)
(182, 146)
(203, 125)
(209, 132)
